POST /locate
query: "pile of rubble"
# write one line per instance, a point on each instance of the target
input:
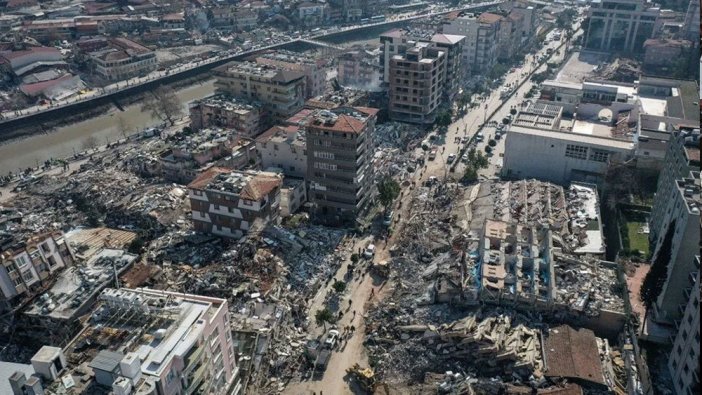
(621, 70)
(492, 344)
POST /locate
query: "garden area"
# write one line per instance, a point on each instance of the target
(634, 231)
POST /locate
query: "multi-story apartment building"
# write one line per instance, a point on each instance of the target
(227, 203)
(417, 81)
(681, 222)
(120, 58)
(25, 266)
(358, 68)
(481, 33)
(620, 25)
(282, 92)
(452, 45)
(285, 148)
(312, 68)
(510, 35)
(171, 344)
(339, 170)
(682, 157)
(684, 360)
(312, 13)
(241, 115)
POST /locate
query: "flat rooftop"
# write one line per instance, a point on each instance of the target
(580, 65)
(77, 285)
(228, 103)
(155, 326)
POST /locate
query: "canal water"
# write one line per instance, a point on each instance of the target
(61, 142)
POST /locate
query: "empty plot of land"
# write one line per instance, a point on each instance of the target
(579, 66)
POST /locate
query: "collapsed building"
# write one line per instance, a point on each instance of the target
(190, 155)
(246, 118)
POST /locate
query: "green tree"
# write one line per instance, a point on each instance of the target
(339, 286)
(388, 191)
(488, 149)
(565, 18)
(470, 175)
(656, 277)
(492, 143)
(443, 118)
(480, 161)
(513, 111)
(136, 245)
(355, 258)
(323, 316)
(505, 121)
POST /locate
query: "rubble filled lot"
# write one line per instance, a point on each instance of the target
(431, 331)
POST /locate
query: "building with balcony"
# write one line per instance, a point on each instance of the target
(417, 81)
(481, 46)
(226, 203)
(220, 111)
(339, 170)
(620, 25)
(120, 58)
(166, 343)
(27, 266)
(280, 91)
(313, 69)
(684, 360)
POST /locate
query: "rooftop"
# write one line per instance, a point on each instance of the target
(249, 185)
(539, 115)
(264, 71)
(228, 103)
(283, 134)
(77, 285)
(153, 326)
(690, 189)
(342, 120)
(572, 354)
(87, 242)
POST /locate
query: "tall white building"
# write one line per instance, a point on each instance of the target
(567, 150)
(620, 25)
(480, 48)
(684, 360)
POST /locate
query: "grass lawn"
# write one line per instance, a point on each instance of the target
(637, 241)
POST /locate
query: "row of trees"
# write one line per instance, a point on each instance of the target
(476, 161)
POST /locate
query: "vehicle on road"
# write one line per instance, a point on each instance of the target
(432, 154)
(451, 158)
(480, 136)
(369, 252)
(331, 339)
(387, 219)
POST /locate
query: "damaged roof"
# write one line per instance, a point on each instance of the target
(573, 354)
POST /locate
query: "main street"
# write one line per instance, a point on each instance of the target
(365, 290)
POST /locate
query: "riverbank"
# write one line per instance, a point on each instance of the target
(62, 141)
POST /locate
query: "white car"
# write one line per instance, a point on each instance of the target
(331, 339)
(369, 252)
(451, 158)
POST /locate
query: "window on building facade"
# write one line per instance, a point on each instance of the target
(576, 151)
(599, 155)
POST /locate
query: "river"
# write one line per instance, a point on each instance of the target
(61, 142)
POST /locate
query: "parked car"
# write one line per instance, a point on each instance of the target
(451, 158)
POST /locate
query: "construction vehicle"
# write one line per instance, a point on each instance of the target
(365, 377)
